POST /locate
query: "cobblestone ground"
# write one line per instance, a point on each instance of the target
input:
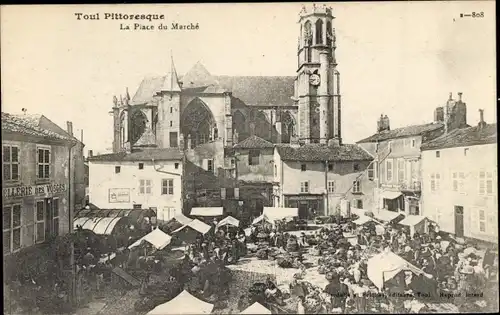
(122, 305)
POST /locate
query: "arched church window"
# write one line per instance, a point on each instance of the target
(319, 31)
(329, 36)
(307, 33)
(138, 125)
(216, 133)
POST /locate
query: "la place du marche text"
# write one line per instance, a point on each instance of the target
(138, 22)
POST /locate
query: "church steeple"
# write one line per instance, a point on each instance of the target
(317, 84)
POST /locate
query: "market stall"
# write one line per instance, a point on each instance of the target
(190, 231)
(115, 232)
(277, 213)
(416, 223)
(207, 211)
(388, 216)
(157, 238)
(363, 220)
(228, 221)
(256, 308)
(184, 303)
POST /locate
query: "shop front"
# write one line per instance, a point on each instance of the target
(309, 206)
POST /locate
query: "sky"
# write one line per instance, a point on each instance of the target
(401, 59)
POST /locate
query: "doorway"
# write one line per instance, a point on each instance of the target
(459, 221)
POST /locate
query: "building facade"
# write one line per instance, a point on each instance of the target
(143, 179)
(459, 188)
(397, 166)
(315, 178)
(38, 183)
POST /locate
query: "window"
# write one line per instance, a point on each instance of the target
(117, 169)
(233, 162)
(237, 193)
(145, 186)
(466, 150)
(11, 228)
(482, 221)
(356, 186)
(303, 167)
(275, 170)
(137, 206)
(43, 163)
(435, 181)
(331, 186)
(223, 193)
(167, 186)
(141, 166)
(176, 165)
(357, 203)
(356, 167)
(10, 163)
(55, 218)
(388, 175)
(171, 110)
(330, 167)
(485, 183)
(210, 166)
(413, 143)
(171, 124)
(371, 172)
(304, 187)
(253, 157)
(438, 154)
(40, 221)
(458, 181)
(401, 170)
(319, 31)
(173, 139)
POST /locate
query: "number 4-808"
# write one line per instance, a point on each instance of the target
(478, 14)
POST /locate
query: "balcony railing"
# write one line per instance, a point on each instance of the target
(413, 186)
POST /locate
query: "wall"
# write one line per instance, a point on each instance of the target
(103, 178)
(263, 172)
(163, 128)
(439, 205)
(28, 177)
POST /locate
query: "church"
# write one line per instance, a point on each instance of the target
(234, 131)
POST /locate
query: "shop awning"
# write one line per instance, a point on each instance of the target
(134, 214)
(276, 213)
(262, 217)
(157, 238)
(184, 303)
(196, 225)
(386, 215)
(387, 194)
(412, 220)
(229, 221)
(207, 211)
(362, 220)
(182, 219)
(256, 308)
(102, 226)
(384, 266)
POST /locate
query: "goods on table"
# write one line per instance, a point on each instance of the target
(292, 245)
(262, 253)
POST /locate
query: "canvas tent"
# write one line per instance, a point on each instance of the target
(386, 265)
(189, 231)
(276, 213)
(207, 211)
(228, 221)
(362, 220)
(184, 303)
(182, 219)
(262, 218)
(386, 215)
(157, 238)
(256, 308)
(416, 223)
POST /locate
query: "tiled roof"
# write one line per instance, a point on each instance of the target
(317, 152)
(464, 137)
(168, 154)
(260, 90)
(253, 142)
(408, 131)
(147, 139)
(252, 90)
(29, 126)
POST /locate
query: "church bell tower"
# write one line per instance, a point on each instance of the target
(317, 89)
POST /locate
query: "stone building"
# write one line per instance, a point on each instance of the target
(397, 165)
(459, 181)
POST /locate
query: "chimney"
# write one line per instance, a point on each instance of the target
(482, 123)
(439, 114)
(380, 123)
(387, 125)
(70, 128)
(90, 153)
(81, 136)
(460, 96)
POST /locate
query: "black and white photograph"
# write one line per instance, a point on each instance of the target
(249, 158)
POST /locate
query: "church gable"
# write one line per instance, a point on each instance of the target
(197, 77)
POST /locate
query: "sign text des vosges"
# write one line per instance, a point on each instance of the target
(36, 190)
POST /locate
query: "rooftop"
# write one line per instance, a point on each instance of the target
(464, 137)
(168, 154)
(318, 152)
(29, 125)
(253, 142)
(408, 131)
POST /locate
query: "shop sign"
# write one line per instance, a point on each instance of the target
(119, 195)
(35, 190)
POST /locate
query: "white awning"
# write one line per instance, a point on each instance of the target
(362, 220)
(262, 217)
(256, 308)
(184, 303)
(99, 225)
(197, 225)
(387, 194)
(412, 220)
(182, 219)
(229, 221)
(276, 213)
(157, 238)
(386, 215)
(207, 211)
